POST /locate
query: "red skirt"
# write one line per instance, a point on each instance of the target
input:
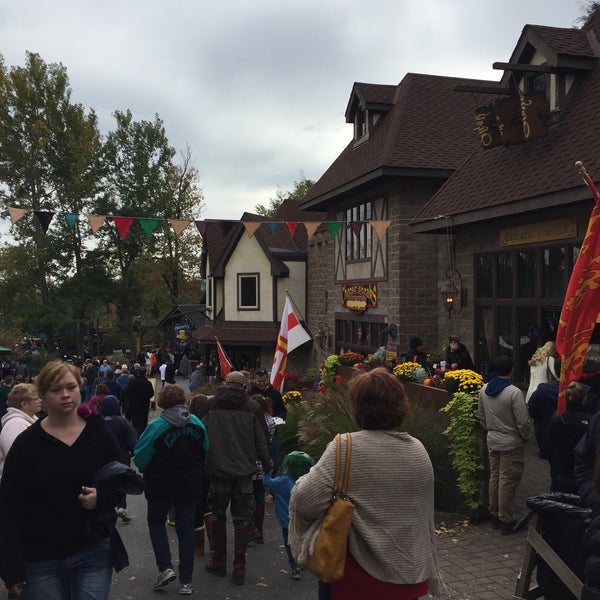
(357, 583)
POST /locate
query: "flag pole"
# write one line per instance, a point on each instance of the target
(308, 329)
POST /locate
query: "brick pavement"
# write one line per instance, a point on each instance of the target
(476, 561)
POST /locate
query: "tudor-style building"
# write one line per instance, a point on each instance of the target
(517, 208)
(407, 141)
(248, 266)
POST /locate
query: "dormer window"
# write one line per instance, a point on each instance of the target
(538, 84)
(360, 124)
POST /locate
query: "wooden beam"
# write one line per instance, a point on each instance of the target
(523, 67)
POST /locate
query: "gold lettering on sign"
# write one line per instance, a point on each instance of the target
(558, 229)
(350, 292)
(524, 104)
(482, 129)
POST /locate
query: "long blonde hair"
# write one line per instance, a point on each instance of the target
(541, 355)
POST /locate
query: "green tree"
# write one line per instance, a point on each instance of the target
(589, 8)
(301, 188)
(138, 169)
(49, 150)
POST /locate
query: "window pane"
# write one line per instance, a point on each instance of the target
(527, 274)
(485, 339)
(248, 291)
(505, 331)
(555, 267)
(485, 288)
(505, 275)
(528, 340)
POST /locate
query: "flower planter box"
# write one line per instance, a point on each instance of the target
(430, 398)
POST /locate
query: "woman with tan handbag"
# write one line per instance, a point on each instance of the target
(391, 543)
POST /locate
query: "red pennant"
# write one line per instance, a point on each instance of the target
(291, 225)
(123, 225)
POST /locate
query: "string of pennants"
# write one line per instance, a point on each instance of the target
(123, 224)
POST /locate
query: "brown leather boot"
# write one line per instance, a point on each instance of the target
(217, 564)
(199, 535)
(239, 560)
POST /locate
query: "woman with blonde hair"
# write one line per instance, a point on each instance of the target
(541, 367)
(23, 405)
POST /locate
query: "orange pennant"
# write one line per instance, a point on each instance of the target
(380, 227)
(311, 227)
(178, 226)
(251, 228)
(96, 221)
(16, 213)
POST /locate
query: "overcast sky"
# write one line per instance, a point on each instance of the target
(258, 88)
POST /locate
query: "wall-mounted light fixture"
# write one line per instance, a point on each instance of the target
(454, 296)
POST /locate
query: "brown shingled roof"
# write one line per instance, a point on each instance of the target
(540, 169)
(429, 127)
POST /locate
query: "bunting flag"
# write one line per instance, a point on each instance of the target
(148, 225)
(291, 225)
(71, 219)
(252, 227)
(356, 227)
(123, 224)
(380, 227)
(202, 226)
(581, 306)
(291, 335)
(334, 227)
(179, 226)
(96, 221)
(44, 217)
(311, 227)
(16, 213)
(225, 365)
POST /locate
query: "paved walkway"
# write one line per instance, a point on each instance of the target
(476, 561)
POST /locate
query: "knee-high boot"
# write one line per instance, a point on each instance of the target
(239, 559)
(199, 535)
(217, 564)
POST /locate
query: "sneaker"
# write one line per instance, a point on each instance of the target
(508, 528)
(186, 589)
(164, 577)
(122, 514)
(296, 573)
(494, 522)
(171, 522)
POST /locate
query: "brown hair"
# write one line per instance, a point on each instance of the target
(264, 402)
(102, 388)
(53, 371)
(575, 393)
(22, 392)
(199, 405)
(378, 400)
(171, 395)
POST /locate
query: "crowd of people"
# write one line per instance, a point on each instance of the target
(204, 457)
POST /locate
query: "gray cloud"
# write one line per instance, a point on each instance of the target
(258, 89)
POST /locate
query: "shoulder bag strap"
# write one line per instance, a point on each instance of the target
(347, 465)
(338, 460)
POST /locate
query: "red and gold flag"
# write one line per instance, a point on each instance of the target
(225, 365)
(581, 307)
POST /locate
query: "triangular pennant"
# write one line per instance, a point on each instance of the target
(251, 228)
(71, 219)
(380, 227)
(311, 227)
(148, 225)
(334, 227)
(44, 218)
(201, 226)
(273, 226)
(356, 227)
(227, 226)
(291, 225)
(16, 213)
(122, 224)
(178, 225)
(96, 221)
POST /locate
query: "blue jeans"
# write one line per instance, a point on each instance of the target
(86, 575)
(291, 559)
(184, 527)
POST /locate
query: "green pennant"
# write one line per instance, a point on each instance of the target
(334, 227)
(148, 225)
